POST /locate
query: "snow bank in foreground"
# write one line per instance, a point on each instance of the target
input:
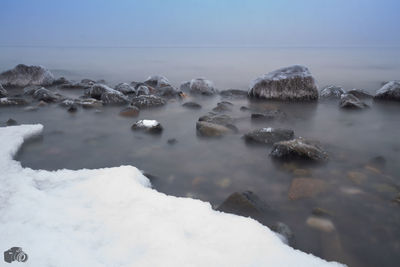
(111, 217)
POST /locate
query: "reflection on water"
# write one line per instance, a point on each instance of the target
(358, 194)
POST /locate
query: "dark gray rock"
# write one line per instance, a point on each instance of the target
(148, 101)
(72, 109)
(207, 129)
(290, 83)
(191, 105)
(172, 141)
(268, 136)
(43, 94)
(359, 93)
(148, 126)
(202, 86)
(332, 92)
(30, 90)
(349, 101)
(114, 97)
(234, 93)
(167, 91)
(220, 119)
(23, 75)
(3, 92)
(98, 89)
(390, 91)
(142, 90)
(125, 88)
(223, 107)
(11, 122)
(299, 149)
(157, 81)
(185, 87)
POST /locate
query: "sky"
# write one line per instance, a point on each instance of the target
(199, 23)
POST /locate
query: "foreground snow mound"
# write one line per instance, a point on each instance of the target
(112, 217)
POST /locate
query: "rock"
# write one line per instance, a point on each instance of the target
(90, 82)
(30, 90)
(222, 119)
(149, 126)
(290, 83)
(202, 86)
(3, 92)
(85, 103)
(60, 81)
(72, 109)
(11, 122)
(185, 87)
(223, 106)
(390, 91)
(321, 212)
(268, 115)
(42, 103)
(234, 93)
(114, 97)
(299, 148)
(306, 188)
(31, 108)
(125, 88)
(285, 231)
(208, 129)
(13, 101)
(320, 224)
(148, 101)
(157, 81)
(43, 94)
(359, 93)
(268, 136)
(97, 90)
(191, 105)
(243, 108)
(349, 101)
(130, 111)
(331, 92)
(23, 75)
(142, 90)
(244, 204)
(172, 141)
(167, 91)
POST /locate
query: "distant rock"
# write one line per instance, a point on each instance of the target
(268, 136)
(167, 91)
(185, 86)
(86, 84)
(3, 92)
(97, 90)
(234, 93)
(349, 101)
(332, 92)
(306, 188)
(85, 103)
(149, 126)
(207, 129)
(202, 86)
(157, 81)
(43, 94)
(114, 97)
(223, 107)
(172, 141)
(130, 111)
(359, 93)
(148, 101)
(23, 75)
(13, 101)
(191, 105)
(125, 88)
(390, 91)
(290, 83)
(299, 148)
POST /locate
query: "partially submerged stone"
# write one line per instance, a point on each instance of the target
(11, 122)
(223, 107)
(234, 93)
(208, 129)
(320, 224)
(13, 101)
(359, 93)
(114, 97)
(125, 88)
(269, 136)
(299, 148)
(149, 126)
(290, 83)
(245, 204)
(23, 75)
(349, 101)
(43, 94)
(332, 92)
(390, 91)
(191, 105)
(201, 86)
(306, 188)
(157, 81)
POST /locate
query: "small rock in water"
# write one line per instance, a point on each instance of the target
(172, 141)
(268, 136)
(223, 106)
(299, 148)
(285, 231)
(243, 108)
(306, 188)
(11, 122)
(378, 162)
(356, 177)
(3, 92)
(157, 81)
(191, 105)
(130, 111)
(149, 126)
(290, 83)
(349, 101)
(359, 93)
(321, 224)
(332, 92)
(23, 75)
(244, 204)
(72, 109)
(321, 212)
(390, 91)
(208, 129)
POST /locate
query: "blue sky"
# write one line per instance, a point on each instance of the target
(200, 22)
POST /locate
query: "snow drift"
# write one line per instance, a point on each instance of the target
(112, 217)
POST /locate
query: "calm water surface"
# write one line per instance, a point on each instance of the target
(366, 220)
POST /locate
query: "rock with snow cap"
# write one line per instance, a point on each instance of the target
(148, 101)
(202, 86)
(43, 94)
(149, 126)
(390, 91)
(23, 75)
(332, 92)
(13, 101)
(125, 88)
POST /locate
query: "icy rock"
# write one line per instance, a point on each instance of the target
(142, 90)
(332, 92)
(3, 92)
(390, 91)
(149, 126)
(148, 101)
(290, 83)
(23, 75)
(299, 148)
(114, 97)
(359, 93)
(349, 101)
(157, 81)
(98, 89)
(202, 86)
(125, 88)
(269, 136)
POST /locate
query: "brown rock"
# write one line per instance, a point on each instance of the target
(306, 187)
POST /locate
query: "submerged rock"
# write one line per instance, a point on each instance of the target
(306, 188)
(125, 88)
(191, 105)
(290, 83)
(148, 101)
(222, 119)
(3, 92)
(149, 126)
(285, 231)
(269, 115)
(332, 92)
(320, 224)
(13, 101)
(208, 129)
(72, 109)
(349, 101)
(201, 86)
(234, 93)
(172, 141)
(23, 75)
(43, 94)
(268, 136)
(130, 111)
(245, 204)
(359, 93)
(390, 91)
(223, 106)
(299, 148)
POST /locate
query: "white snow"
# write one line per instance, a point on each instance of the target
(147, 123)
(267, 130)
(112, 217)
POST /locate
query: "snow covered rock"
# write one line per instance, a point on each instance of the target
(359, 93)
(112, 217)
(3, 92)
(349, 101)
(148, 101)
(332, 92)
(390, 91)
(125, 88)
(114, 97)
(268, 136)
(290, 83)
(157, 81)
(149, 126)
(97, 90)
(299, 148)
(43, 94)
(201, 86)
(23, 75)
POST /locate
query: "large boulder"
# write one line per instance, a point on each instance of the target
(349, 101)
(268, 136)
(23, 75)
(290, 83)
(97, 90)
(332, 92)
(390, 91)
(148, 101)
(3, 92)
(199, 86)
(299, 148)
